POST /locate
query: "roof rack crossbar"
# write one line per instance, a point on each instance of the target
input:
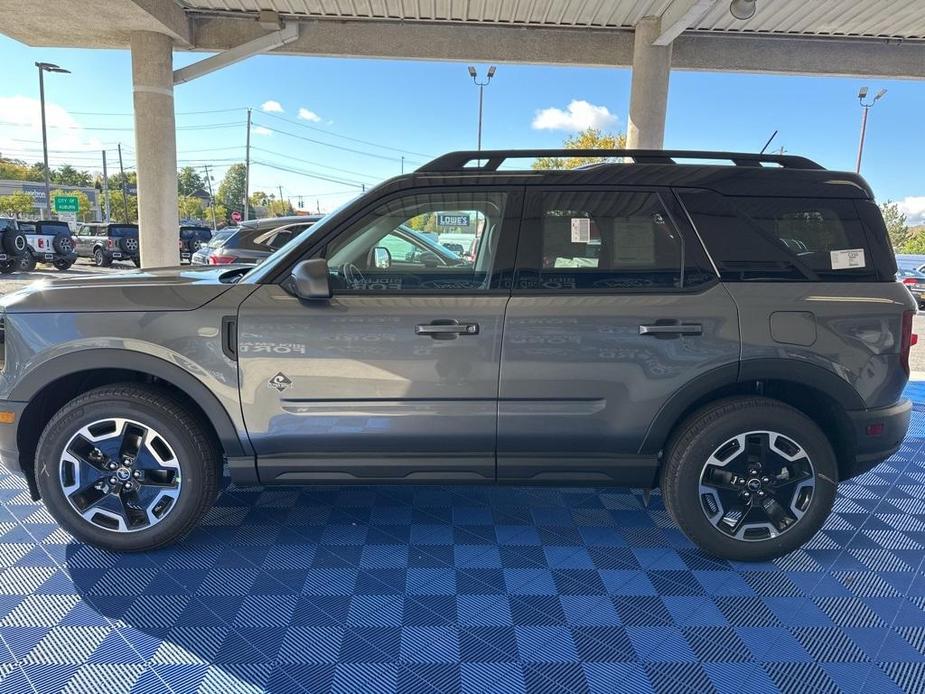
(491, 160)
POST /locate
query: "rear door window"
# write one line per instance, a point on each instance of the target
(794, 239)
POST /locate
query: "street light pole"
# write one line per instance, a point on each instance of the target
(866, 106)
(43, 68)
(481, 85)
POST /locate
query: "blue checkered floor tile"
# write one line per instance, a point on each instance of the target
(469, 589)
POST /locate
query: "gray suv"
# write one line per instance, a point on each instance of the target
(733, 334)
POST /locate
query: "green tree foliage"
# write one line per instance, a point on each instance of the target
(17, 170)
(231, 190)
(279, 208)
(189, 181)
(592, 138)
(221, 216)
(895, 224)
(16, 204)
(117, 208)
(67, 175)
(189, 207)
(915, 242)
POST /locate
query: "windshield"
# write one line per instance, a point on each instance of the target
(221, 236)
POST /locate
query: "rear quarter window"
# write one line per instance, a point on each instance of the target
(123, 231)
(791, 239)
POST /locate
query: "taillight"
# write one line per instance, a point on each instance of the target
(907, 340)
(909, 280)
(110, 244)
(221, 259)
(180, 245)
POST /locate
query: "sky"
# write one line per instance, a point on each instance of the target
(324, 127)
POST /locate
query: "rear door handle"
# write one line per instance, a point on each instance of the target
(446, 329)
(671, 329)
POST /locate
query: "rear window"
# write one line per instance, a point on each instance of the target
(7, 224)
(120, 231)
(53, 228)
(220, 238)
(793, 239)
(195, 233)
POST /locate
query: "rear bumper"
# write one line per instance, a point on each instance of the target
(871, 449)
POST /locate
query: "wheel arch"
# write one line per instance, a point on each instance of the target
(56, 382)
(818, 393)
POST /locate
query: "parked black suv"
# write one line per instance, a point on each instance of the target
(732, 334)
(47, 241)
(103, 243)
(192, 238)
(12, 245)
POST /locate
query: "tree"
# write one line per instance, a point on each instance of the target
(83, 201)
(117, 208)
(221, 215)
(67, 175)
(231, 190)
(259, 199)
(895, 223)
(16, 204)
(279, 208)
(915, 244)
(16, 170)
(189, 207)
(188, 181)
(592, 138)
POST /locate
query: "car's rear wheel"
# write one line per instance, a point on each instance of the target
(749, 478)
(127, 467)
(8, 266)
(100, 259)
(63, 265)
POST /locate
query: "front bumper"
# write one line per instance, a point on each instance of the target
(9, 448)
(873, 448)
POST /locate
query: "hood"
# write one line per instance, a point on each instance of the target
(158, 289)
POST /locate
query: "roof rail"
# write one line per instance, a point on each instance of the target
(493, 158)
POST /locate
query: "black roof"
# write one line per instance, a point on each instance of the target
(745, 173)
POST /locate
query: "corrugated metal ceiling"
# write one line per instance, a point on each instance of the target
(861, 18)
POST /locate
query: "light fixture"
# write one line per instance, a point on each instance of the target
(879, 94)
(491, 72)
(472, 72)
(51, 67)
(742, 9)
(862, 93)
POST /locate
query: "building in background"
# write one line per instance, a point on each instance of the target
(37, 190)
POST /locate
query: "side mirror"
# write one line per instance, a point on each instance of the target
(311, 279)
(429, 259)
(382, 258)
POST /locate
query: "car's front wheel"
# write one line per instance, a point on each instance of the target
(63, 265)
(749, 478)
(127, 467)
(27, 262)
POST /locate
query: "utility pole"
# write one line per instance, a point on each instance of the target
(124, 187)
(280, 193)
(211, 196)
(105, 190)
(247, 168)
(403, 163)
(43, 68)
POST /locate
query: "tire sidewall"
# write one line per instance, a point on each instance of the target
(68, 421)
(771, 417)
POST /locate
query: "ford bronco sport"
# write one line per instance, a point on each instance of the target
(103, 243)
(48, 241)
(733, 334)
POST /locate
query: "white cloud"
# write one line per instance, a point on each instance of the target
(913, 207)
(260, 130)
(578, 115)
(23, 138)
(271, 106)
(305, 114)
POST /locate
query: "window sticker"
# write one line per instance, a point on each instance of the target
(581, 230)
(848, 259)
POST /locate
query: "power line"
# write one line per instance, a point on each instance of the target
(346, 137)
(177, 113)
(305, 161)
(207, 126)
(328, 144)
(309, 174)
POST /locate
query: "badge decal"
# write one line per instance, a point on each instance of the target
(280, 382)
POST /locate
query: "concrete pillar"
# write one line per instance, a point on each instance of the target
(649, 90)
(155, 147)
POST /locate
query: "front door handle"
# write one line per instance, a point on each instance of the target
(446, 329)
(671, 329)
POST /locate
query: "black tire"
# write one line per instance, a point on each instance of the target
(699, 436)
(137, 262)
(63, 265)
(9, 266)
(196, 452)
(14, 242)
(100, 259)
(63, 244)
(27, 262)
